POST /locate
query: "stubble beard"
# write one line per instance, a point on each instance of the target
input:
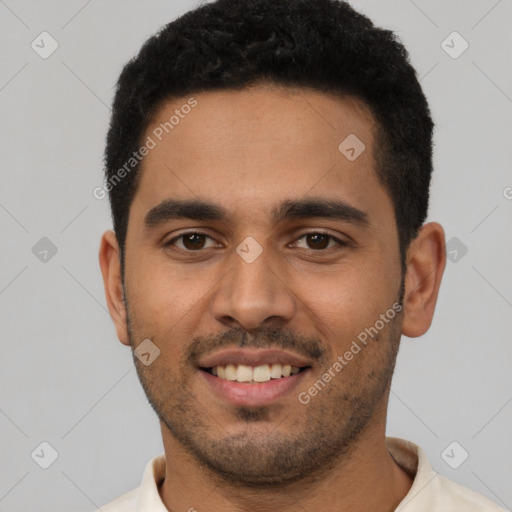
(323, 432)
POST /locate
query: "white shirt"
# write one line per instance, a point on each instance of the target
(430, 492)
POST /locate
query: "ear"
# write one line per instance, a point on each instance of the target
(426, 261)
(112, 281)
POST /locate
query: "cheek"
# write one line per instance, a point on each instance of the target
(165, 302)
(348, 299)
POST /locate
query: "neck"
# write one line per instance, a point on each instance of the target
(367, 478)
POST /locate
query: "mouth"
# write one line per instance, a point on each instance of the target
(244, 377)
(254, 374)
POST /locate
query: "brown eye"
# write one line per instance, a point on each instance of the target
(191, 241)
(317, 241)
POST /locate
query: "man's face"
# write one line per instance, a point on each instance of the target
(263, 283)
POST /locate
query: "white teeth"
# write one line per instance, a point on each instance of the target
(243, 373)
(275, 371)
(230, 372)
(261, 373)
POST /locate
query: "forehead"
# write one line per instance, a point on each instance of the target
(250, 149)
(293, 123)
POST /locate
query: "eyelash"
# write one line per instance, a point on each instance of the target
(323, 233)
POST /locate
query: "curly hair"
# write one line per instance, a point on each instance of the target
(324, 45)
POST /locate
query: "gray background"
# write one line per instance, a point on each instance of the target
(66, 379)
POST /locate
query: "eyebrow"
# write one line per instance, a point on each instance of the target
(201, 210)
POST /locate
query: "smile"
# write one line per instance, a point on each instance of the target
(253, 374)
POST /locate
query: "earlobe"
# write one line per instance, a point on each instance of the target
(426, 261)
(112, 282)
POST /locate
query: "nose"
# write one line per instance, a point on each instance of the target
(253, 295)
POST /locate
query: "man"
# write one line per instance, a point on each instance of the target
(268, 165)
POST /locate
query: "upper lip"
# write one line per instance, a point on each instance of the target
(252, 357)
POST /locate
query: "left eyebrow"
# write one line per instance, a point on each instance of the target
(202, 210)
(320, 207)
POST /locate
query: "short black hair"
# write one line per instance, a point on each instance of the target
(324, 45)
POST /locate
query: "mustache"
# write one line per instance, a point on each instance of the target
(267, 337)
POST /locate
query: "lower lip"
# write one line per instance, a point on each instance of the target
(252, 395)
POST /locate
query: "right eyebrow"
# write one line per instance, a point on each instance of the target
(170, 209)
